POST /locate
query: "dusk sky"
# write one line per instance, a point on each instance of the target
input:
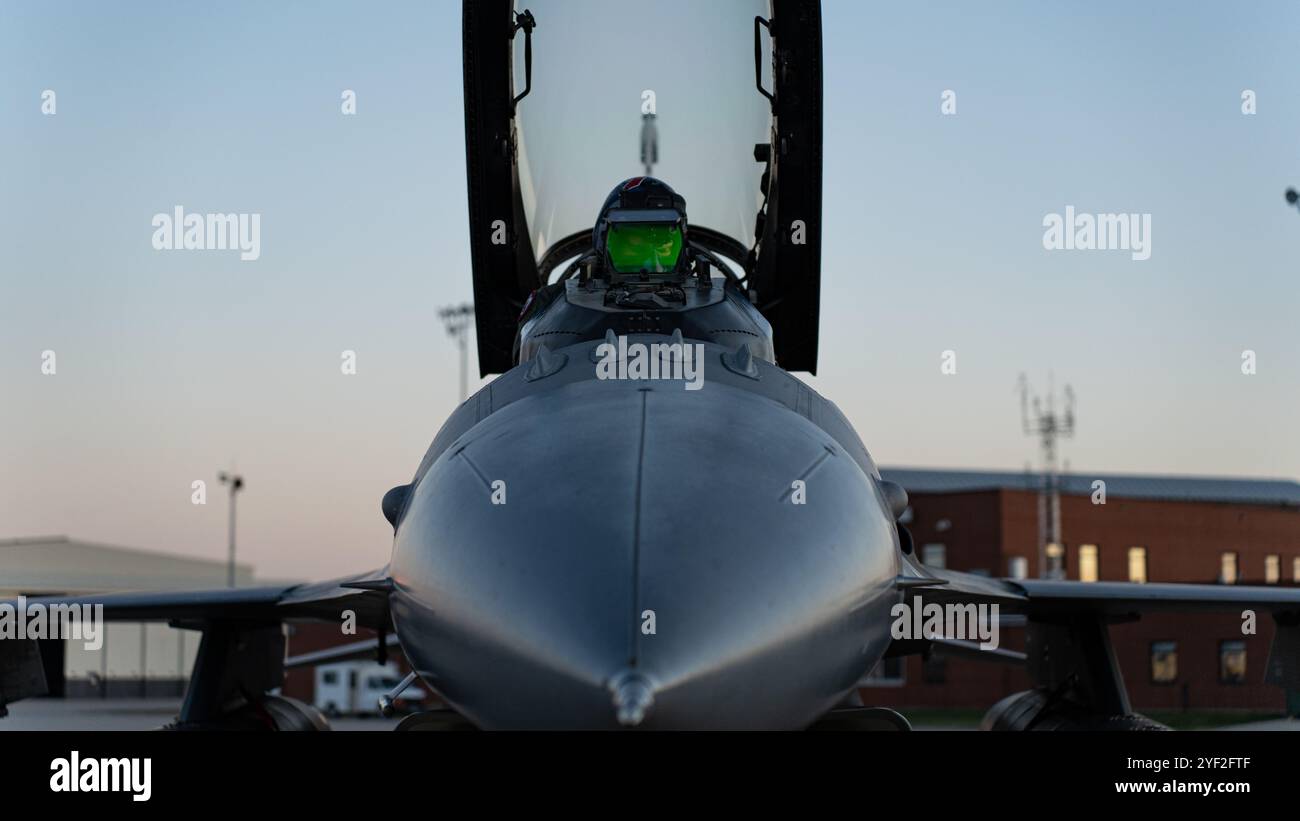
(172, 365)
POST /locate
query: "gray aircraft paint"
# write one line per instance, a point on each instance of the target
(626, 496)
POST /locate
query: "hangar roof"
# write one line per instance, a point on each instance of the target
(58, 564)
(1284, 492)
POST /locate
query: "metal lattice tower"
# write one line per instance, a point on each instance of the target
(1049, 426)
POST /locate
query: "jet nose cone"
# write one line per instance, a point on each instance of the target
(657, 558)
(633, 697)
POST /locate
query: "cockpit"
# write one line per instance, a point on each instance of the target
(546, 137)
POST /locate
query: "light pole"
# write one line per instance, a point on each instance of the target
(456, 319)
(236, 483)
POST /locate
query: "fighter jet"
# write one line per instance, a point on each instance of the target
(645, 520)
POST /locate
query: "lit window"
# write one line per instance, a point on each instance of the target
(1232, 662)
(1137, 564)
(1055, 560)
(934, 555)
(1272, 569)
(1018, 567)
(1227, 568)
(1295, 569)
(1087, 563)
(1164, 662)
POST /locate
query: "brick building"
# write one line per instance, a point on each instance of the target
(1149, 529)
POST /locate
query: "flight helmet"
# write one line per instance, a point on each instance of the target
(641, 229)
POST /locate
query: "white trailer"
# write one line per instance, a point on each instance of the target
(354, 687)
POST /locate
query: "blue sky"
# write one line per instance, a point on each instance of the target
(174, 365)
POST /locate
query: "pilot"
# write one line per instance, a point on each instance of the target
(641, 229)
(640, 235)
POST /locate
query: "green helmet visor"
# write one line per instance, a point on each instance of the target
(650, 247)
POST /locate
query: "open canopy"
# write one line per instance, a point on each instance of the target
(565, 98)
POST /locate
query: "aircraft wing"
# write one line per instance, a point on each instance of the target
(1046, 597)
(1123, 598)
(364, 594)
(241, 658)
(1068, 652)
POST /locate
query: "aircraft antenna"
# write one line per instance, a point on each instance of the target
(649, 143)
(1049, 426)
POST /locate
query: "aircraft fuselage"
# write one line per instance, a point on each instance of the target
(585, 552)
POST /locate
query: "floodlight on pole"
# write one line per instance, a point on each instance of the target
(236, 483)
(456, 319)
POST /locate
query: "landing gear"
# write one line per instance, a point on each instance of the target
(435, 721)
(863, 719)
(273, 713)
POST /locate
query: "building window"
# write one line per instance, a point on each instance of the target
(1164, 662)
(1295, 569)
(1232, 662)
(1137, 565)
(934, 670)
(889, 672)
(1018, 567)
(1272, 569)
(1087, 563)
(1227, 567)
(934, 555)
